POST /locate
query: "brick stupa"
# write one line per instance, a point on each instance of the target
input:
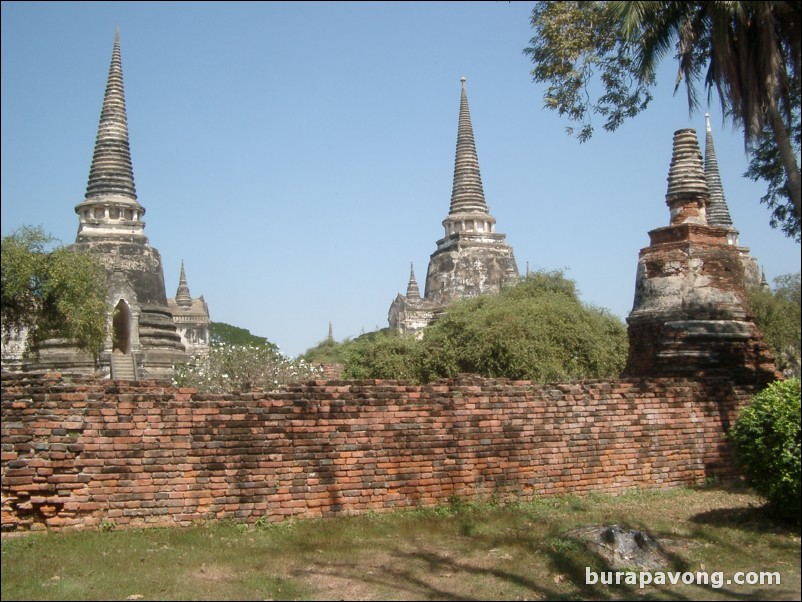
(690, 315)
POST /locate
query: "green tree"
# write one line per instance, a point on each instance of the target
(766, 442)
(777, 315)
(749, 53)
(765, 165)
(327, 351)
(382, 354)
(220, 332)
(537, 330)
(52, 291)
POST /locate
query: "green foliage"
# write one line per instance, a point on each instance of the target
(220, 332)
(765, 164)
(777, 315)
(573, 41)
(382, 354)
(766, 441)
(327, 351)
(229, 368)
(52, 291)
(600, 58)
(537, 330)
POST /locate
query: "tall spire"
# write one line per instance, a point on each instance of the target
(182, 296)
(413, 292)
(467, 194)
(687, 193)
(111, 206)
(718, 214)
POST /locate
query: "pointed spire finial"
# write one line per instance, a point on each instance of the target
(413, 292)
(764, 284)
(110, 206)
(331, 333)
(111, 172)
(182, 296)
(467, 193)
(718, 214)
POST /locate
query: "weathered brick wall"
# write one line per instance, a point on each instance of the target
(82, 453)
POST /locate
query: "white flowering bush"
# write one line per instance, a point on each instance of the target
(227, 368)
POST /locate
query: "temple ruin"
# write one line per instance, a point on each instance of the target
(144, 341)
(472, 258)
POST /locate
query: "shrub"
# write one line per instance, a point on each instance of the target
(777, 315)
(222, 333)
(228, 368)
(537, 330)
(327, 351)
(382, 354)
(766, 441)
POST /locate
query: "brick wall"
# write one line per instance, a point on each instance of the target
(80, 453)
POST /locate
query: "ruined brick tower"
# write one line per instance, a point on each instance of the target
(144, 342)
(690, 314)
(472, 258)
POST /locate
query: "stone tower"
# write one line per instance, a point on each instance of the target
(690, 314)
(144, 342)
(191, 317)
(472, 258)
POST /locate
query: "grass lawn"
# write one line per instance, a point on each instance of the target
(523, 551)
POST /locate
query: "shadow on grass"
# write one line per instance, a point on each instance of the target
(423, 576)
(755, 519)
(426, 575)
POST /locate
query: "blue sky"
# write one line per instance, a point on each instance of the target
(298, 156)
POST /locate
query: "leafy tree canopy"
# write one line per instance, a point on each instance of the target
(220, 332)
(537, 330)
(52, 291)
(777, 315)
(600, 58)
(327, 351)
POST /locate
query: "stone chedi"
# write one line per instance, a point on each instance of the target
(144, 342)
(690, 314)
(472, 258)
(191, 317)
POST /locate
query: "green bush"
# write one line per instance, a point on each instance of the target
(327, 351)
(382, 354)
(52, 291)
(536, 330)
(226, 334)
(778, 316)
(766, 441)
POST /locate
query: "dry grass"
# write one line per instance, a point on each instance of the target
(458, 552)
